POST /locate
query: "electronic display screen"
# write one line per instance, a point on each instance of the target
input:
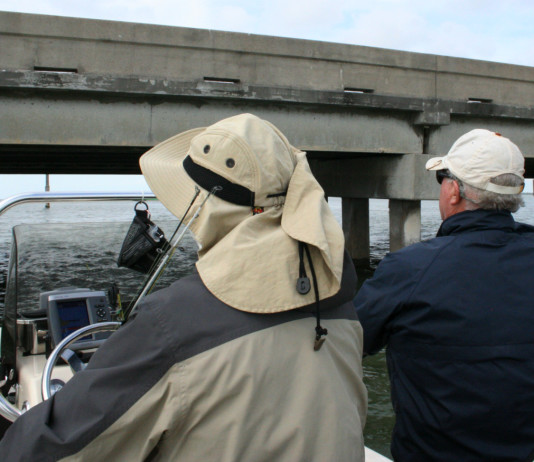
(72, 316)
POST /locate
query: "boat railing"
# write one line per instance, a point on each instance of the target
(48, 197)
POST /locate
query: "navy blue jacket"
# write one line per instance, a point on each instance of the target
(457, 315)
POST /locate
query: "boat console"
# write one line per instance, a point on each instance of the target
(71, 324)
(59, 304)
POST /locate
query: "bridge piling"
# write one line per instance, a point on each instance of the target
(404, 223)
(355, 222)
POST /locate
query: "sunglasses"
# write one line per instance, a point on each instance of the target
(441, 174)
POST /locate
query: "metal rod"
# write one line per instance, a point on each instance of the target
(163, 262)
(47, 188)
(8, 411)
(25, 198)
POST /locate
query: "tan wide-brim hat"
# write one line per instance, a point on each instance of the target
(479, 156)
(250, 230)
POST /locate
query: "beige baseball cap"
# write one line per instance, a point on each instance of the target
(479, 156)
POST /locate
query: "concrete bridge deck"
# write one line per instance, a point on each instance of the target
(86, 96)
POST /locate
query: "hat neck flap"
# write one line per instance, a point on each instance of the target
(252, 263)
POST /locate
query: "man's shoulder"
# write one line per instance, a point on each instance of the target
(171, 295)
(420, 251)
(182, 289)
(179, 301)
(405, 266)
(524, 228)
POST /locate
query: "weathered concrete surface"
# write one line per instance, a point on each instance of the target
(355, 222)
(138, 119)
(380, 177)
(521, 132)
(174, 53)
(404, 223)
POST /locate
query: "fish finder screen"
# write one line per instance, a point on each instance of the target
(72, 316)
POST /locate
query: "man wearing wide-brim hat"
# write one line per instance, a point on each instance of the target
(254, 357)
(457, 315)
(273, 345)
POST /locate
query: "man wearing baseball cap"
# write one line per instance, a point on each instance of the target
(457, 315)
(254, 357)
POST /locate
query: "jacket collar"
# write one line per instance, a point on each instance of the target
(478, 220)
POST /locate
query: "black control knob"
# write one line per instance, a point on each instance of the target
(101, 313)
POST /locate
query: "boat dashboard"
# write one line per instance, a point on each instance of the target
(53, 344)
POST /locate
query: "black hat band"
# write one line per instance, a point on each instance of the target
(205, 178)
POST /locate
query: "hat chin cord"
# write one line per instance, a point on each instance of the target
(303, 287)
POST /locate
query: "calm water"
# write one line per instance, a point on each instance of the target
(62, 255)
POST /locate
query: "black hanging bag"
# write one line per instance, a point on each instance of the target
(144, 243)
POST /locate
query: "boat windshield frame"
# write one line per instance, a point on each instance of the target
(8, 322)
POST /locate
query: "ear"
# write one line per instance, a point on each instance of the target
(455, 197)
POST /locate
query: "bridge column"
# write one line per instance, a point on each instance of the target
(404, 223)
(355, 222)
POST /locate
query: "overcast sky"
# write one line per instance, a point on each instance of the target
(491, 30)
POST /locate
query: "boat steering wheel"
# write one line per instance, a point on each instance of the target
(62, 349)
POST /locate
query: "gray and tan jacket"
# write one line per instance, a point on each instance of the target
(192, 379)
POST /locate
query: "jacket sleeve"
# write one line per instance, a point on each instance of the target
(120, 374)
(381, 297)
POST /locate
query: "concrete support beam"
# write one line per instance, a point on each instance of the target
(520, 131)
(404, 223)
(355, 222)
(145, 119)
(377, 177)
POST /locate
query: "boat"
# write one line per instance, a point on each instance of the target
(41, 346)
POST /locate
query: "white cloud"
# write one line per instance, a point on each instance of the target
(305, 20)
(473, 29)
(399, 29)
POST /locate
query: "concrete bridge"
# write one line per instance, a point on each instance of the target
(86, 96)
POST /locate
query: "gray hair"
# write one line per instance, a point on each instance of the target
(479, 199)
